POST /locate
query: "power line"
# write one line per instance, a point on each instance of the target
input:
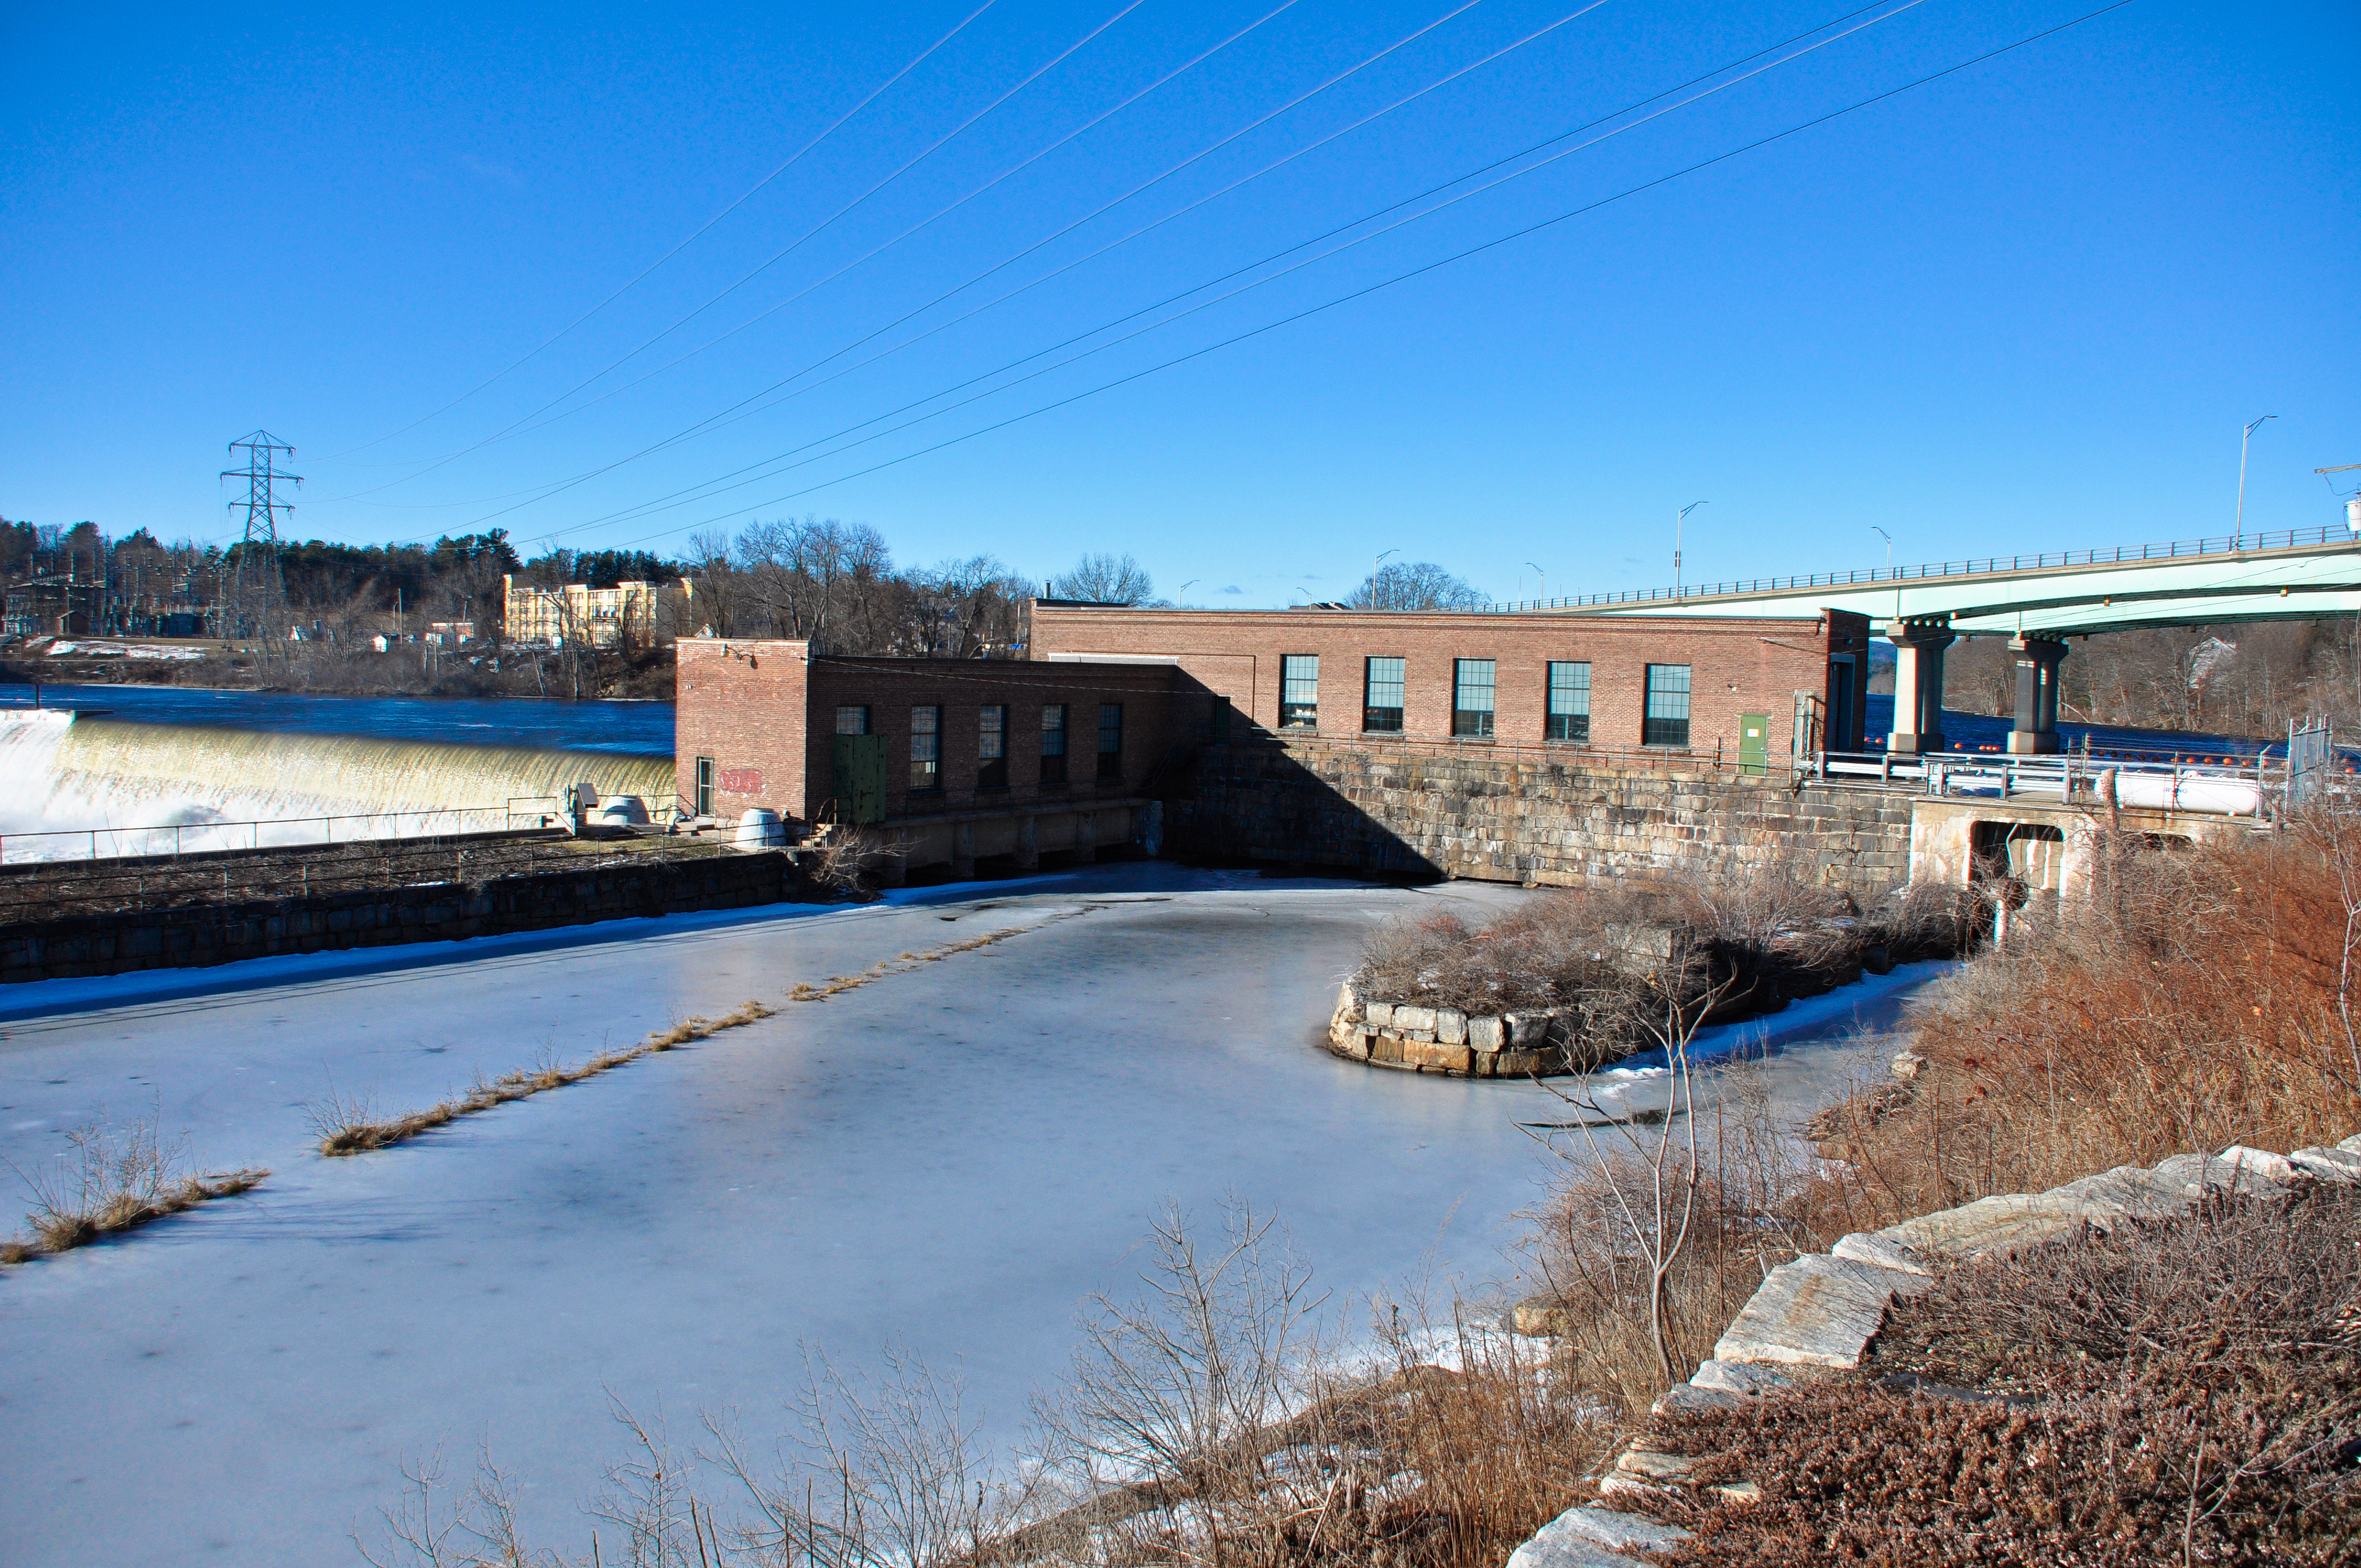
(780, 255)
(922, 56)
(1526, 232)
(709, 486)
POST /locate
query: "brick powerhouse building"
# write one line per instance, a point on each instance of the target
(1669, 684)
(969, 759)
(965, 759)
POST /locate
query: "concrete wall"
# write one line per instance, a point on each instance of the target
(1473, 811)
(189, 938)
(1736, 666)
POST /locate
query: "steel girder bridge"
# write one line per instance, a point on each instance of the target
(2037, 602)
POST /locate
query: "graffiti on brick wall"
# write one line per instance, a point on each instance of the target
(741, 780)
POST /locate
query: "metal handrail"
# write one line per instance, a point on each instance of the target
(2122, 554)
(426, 817)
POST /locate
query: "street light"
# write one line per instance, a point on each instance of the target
(1679, 519)
(1544, 577)
(2243, 443)
(1182, 596)
(1889, 568)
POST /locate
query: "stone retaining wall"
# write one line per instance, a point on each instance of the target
(1516, 816)
(194, 937)
(1445, 1040)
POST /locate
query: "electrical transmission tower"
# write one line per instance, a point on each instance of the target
(258, 594)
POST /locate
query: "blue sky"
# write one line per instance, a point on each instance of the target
(2027, 306)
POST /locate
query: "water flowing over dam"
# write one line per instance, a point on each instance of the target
(78, 774)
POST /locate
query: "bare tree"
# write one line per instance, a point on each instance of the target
(1417, 584)
(1104, 579)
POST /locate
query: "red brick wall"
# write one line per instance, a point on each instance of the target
(740, 702)
(1736, 666)
(889, 688)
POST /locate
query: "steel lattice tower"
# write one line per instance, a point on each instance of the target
(258, 591)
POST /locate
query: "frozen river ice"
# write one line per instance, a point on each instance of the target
(950, 1158)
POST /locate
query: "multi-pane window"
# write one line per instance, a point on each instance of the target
(1110, 743)
(1054, 743)
(853, 721)
(926, 748)
(704, 787)
(992, 747)
(1569, 700)
(1299, 691)
(1381, 706)
(1471, 697)
(1667, 720)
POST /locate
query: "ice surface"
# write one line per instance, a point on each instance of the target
(951, 1158)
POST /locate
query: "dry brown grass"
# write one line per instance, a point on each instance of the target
(348, 1124)
(109, 1183)
(2199, 999)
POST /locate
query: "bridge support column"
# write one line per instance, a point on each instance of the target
(1917, 685)
(2036, 731)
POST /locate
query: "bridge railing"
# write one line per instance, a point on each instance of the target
(523, 814)
(2121, 555)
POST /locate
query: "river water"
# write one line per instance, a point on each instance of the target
(950, 1158)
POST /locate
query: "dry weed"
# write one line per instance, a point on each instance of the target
(2196, 999)
(109, 1183)
(348, 1124)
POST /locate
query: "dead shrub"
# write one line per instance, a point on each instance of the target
(110, 1182)
(2183, 1392)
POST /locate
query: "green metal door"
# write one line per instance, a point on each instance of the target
(859, 782)
(1754, 742)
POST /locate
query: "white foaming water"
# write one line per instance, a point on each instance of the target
(72, 786)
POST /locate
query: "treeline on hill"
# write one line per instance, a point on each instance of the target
(439, 606)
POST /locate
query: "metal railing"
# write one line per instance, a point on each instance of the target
(1991, 565)
(521, 814)
(2254, 788)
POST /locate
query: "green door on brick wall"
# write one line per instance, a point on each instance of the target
(1754, 742)
(859, 782)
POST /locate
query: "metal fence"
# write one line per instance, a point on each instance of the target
(521, 814)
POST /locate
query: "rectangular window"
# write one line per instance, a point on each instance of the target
(1110, 743)
(853, 720)
(703, 804)
(1381, 706)
(1471, 699)
(1667, 721)
(1054, 743)
(992, 747)
(1299, 691)
(926, 749)
(1569, 701)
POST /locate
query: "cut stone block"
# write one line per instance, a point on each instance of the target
(1619, 1531)
(1427, 1053)
(1407, 1018)
(1348, 1006)
(1485, 1033)
(1451, 1026)
(1816, 1311)
(2328, 1165)
(1741, 1377)
(1553, 1548)
(1689, 1396)
(1656, 1467)
(1380, 1014)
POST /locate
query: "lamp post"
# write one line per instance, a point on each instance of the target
(1182, 598)
(2243, 442)
(1889, 568)
(1544, 577)
(1375, 566)
(1679, 518)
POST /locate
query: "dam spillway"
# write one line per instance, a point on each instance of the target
(66, 773)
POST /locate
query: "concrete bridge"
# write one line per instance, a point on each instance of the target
(2037, 602)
